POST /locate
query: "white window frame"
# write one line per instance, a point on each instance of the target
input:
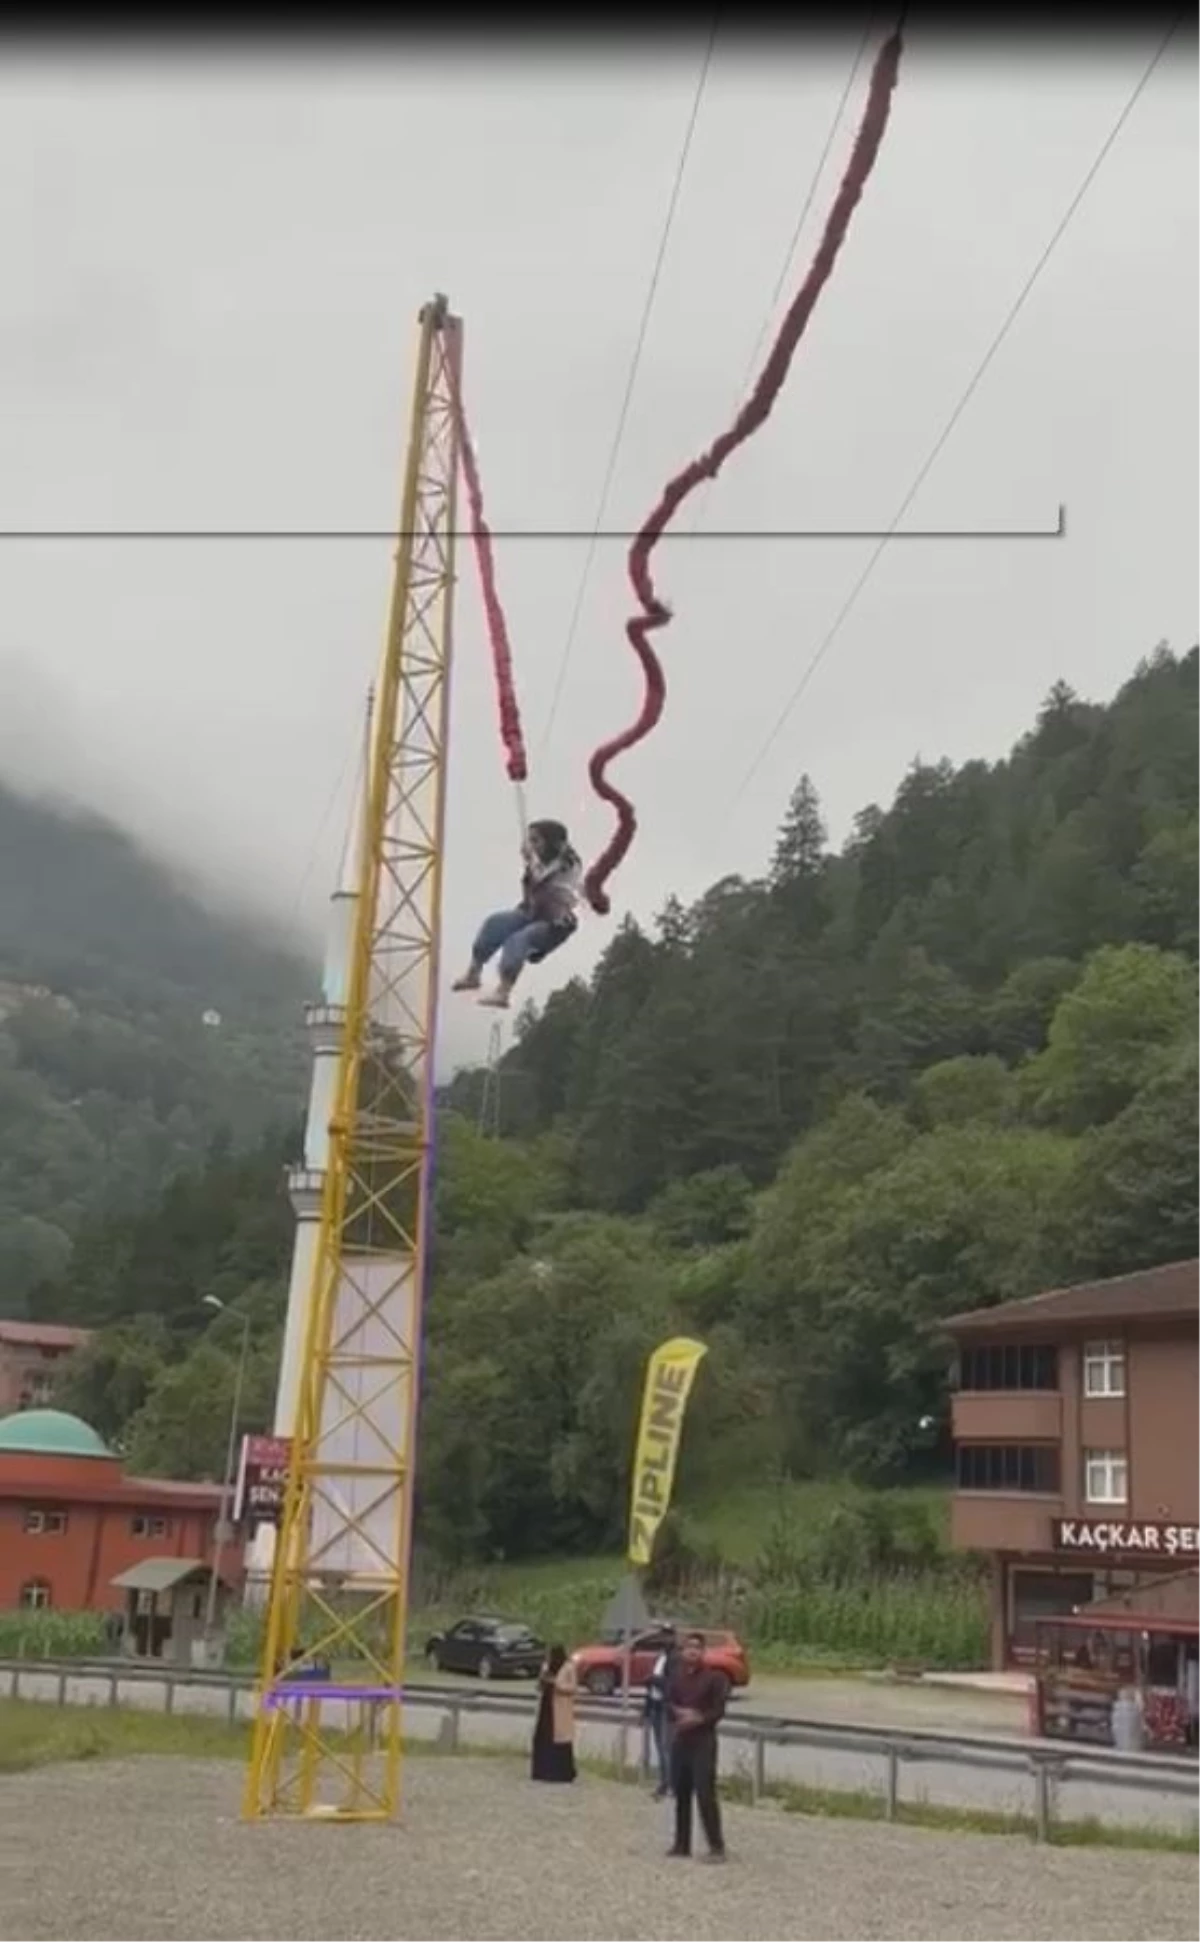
(40, 1601)
(44, 1523)
(1106, 1476)
(1104, 1368)
(147, 1524)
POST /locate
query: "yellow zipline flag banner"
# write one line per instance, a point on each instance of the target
(669, 1377)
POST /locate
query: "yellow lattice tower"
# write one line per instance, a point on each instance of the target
(328, 1733)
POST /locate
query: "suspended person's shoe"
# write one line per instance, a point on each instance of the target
(497, 999)
(470, 981)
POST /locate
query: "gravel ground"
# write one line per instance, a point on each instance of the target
(152, 1848)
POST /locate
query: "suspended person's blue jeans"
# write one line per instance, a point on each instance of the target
(520, 940)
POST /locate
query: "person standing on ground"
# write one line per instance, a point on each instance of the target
(695, 1702)
(554, 1733)
(656, 1711)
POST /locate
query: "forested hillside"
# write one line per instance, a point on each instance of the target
(110, 1080)
(948, 927)
(806, 1118)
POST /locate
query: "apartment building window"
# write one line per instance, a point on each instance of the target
(148, 1526)
(35, 1596)
(45, 1523)
(1030, 1467)
(1009, 1365)
(1104, 1368)
(1105, 1476)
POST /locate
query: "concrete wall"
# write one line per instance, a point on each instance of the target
(1162, 1410)
(80, 1563)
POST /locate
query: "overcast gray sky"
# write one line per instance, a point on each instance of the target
(212, 272)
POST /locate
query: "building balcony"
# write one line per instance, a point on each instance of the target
(306, 1188)
(1006, 1416)
(997, 1520)
(325, 1024)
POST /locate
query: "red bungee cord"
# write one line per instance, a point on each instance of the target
(511, 735)
(753, 413)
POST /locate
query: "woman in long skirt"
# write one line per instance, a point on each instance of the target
(554, 1733)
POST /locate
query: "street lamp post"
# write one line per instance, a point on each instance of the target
(210, 1615)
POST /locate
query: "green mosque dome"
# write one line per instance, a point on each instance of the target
(49, 1432)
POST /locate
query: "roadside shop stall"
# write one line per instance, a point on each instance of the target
(1122, 1671)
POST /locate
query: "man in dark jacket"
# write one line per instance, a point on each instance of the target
(696, 1696)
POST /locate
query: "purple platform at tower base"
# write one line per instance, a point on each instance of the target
(325, 1689)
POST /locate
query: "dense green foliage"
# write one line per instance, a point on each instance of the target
(806, 1119)
(110, 1081)
(815, 1113)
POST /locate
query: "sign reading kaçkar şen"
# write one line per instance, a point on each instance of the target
(1102, 1535)
(262, 1479)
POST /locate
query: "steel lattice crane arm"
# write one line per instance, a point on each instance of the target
(327, 1736)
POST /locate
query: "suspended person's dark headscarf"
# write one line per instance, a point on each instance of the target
(549, 839)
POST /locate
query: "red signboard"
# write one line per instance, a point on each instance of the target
(262, 1479)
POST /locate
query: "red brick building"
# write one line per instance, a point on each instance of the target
(31, 1354)
(71, 1520)
(1075, 1430)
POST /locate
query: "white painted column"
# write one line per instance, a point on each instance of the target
(325, 1022)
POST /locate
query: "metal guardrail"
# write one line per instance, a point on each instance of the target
(1046, 1764)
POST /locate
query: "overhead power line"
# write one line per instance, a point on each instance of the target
(943, 437)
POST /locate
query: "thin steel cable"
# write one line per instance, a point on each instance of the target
(793, 245)
(335, 795)
(943, 437)
(631, 380)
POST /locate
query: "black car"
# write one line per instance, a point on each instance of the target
(488, 1647)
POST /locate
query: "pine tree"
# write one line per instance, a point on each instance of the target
(800, 847)
(799, 873)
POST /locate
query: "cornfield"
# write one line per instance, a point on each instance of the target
(936, 1617)
(52, 1635)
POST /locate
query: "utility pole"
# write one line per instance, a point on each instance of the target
(210, 1614)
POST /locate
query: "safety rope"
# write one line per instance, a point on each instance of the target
(511, 734)
(753, 414)
(785, 273)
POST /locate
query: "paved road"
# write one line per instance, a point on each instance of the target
(938, 1782)
(1005, 1790)
(869, 1701)
(154, 1848)
(883, 1702)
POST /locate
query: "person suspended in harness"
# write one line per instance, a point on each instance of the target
(551, 886)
